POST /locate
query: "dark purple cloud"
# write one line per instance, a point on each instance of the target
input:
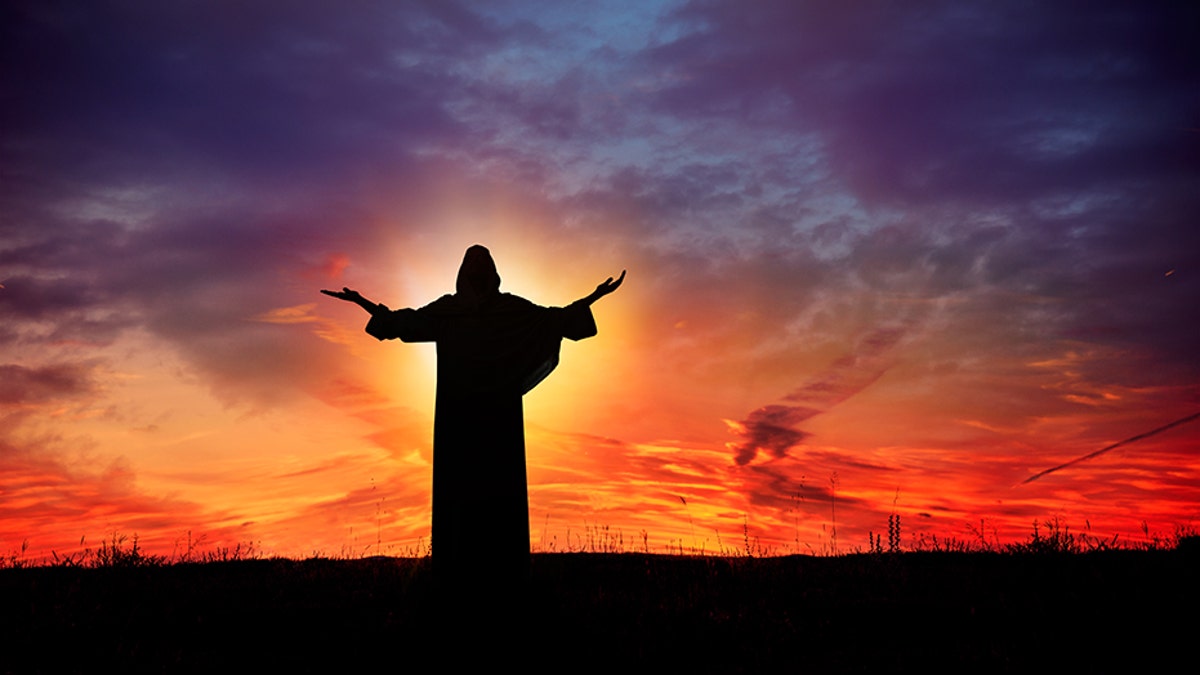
(772, 428)
(998, 100)
(273, 91)
(46, 383)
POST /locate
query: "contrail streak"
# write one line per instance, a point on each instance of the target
(1118, 444)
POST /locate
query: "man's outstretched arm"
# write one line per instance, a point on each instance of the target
(406, 324)
(350, 295)
(604, 289)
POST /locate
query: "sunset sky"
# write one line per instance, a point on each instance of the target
(883, 258)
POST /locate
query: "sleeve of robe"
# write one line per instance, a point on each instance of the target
(409, 325)
(540, 356)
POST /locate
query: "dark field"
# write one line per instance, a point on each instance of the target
(1086, 612)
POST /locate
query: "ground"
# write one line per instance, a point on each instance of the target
(1084, 612)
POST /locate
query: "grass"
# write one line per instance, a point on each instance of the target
(121, 551)
(950, 606)
(1049, 536)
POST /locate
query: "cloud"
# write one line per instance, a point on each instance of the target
(921, 105)
(278, 87)
(289, 315)
(771, 428)
(57, 493)
(24, 385)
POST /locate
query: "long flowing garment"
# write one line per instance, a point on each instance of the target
(491, 351)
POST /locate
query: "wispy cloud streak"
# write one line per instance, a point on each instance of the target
(1114, 446)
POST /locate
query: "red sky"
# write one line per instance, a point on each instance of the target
(881, 261)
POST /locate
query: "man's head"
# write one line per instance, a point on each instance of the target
(477, 277)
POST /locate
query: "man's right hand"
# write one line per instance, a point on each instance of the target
(346, 294)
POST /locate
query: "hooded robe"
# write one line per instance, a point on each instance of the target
(492, 348)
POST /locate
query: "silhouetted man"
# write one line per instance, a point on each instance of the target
(492, 348)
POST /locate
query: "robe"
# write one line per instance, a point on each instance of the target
(492, 348)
